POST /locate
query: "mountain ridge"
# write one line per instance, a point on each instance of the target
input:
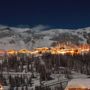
(29, 38)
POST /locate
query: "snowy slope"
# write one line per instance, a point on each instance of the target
(18, 38)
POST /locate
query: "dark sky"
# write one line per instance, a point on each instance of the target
(54, 13)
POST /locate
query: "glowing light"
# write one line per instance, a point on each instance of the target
(24, 51)
(63, 49)
(11, 52)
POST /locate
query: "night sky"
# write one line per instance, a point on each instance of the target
(54, 13)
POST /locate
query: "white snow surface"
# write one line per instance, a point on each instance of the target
(35, 37)
(78, 83)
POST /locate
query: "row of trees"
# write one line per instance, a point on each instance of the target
(44, 65)
(13, 80)
(79, 63)
(16, 63)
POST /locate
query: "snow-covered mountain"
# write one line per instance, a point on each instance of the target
(18, 38)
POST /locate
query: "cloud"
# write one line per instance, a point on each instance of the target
(21, 28)
(15, 28)
(3, 26)
(40, 27)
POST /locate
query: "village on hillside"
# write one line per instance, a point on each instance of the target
(63, 67)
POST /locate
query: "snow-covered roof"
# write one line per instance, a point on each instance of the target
(78, 83)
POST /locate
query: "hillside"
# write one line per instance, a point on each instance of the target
(18, 38)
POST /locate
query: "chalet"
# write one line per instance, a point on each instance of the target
(78, 84)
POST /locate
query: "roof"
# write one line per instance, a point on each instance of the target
(78, 83)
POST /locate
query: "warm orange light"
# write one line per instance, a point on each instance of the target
(11, 52)
(24, 51)
(63, 49)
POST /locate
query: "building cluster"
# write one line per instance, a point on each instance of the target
(61, 49)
